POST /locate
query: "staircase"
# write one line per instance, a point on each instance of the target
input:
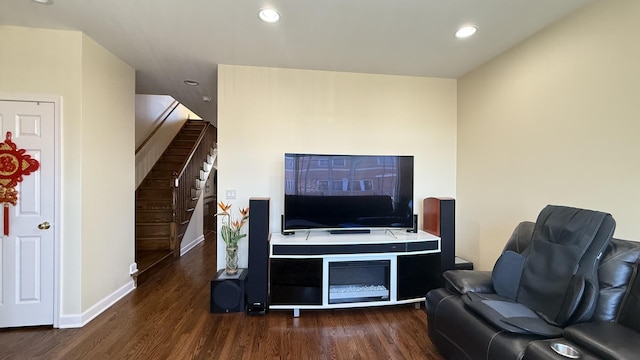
(166, 198)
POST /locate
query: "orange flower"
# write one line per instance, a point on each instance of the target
(245, 213)
(237, 224)
(224, 207)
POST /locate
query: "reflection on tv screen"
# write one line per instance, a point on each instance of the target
(348, 191)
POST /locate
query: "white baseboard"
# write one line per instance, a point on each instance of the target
(80, 320)
(186, 248)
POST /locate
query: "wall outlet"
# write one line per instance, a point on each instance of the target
(230, 194)
(133, 268)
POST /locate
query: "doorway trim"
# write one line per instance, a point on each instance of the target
(57, 222)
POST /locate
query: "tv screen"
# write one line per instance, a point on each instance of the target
(347, 191)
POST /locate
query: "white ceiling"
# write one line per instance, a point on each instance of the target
(168, 41)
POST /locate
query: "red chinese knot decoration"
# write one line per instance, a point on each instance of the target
(14, 164)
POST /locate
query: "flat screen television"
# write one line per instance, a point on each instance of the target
(342, 192)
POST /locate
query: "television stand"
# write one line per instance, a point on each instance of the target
(349, 231)
(320, 270)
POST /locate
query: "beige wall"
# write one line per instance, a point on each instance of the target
(108, 180)
(555, 120)
(265, 112)
(97, 113)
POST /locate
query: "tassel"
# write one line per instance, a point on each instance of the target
(6, 219)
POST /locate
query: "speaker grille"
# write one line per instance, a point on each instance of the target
(257, 282)
(227, 295)
(228, 292)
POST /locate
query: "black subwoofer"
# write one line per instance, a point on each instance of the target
(228, 292)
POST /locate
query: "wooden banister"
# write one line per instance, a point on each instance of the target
(170, 109)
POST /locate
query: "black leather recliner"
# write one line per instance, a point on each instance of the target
(553, 282)
(460, 333)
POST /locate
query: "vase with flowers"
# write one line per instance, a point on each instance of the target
(231, 232)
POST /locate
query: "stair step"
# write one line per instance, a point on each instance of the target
(191, 128)
(161, 174)
(149, 183)
(188, 134)
(153, 243)
(155, 204)
(155, 215)
(194, 124)
(167, 165)
(186, 144)
(153, 230)
(154, 194)
(177, 151)
(173, 158)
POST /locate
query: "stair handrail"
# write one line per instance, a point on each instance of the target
(186, 163)
(174, 105)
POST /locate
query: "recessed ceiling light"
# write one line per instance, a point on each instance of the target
(466, 31)
(269, 15)
(191, 82)
(44, 2)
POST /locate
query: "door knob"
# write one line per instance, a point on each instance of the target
(44, 226)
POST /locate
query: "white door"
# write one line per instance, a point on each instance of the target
(27, 254)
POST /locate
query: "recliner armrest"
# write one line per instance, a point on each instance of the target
(463, 281)
(607, 340)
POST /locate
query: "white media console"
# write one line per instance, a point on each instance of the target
(319, 270)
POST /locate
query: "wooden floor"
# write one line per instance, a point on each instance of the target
(168, 317)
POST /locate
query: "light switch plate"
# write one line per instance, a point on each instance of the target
(230, 194)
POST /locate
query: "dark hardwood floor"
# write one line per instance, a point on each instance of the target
(167, 317)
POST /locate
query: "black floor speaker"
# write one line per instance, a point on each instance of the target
(228, 292)
(258, 280)
(439, 218)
